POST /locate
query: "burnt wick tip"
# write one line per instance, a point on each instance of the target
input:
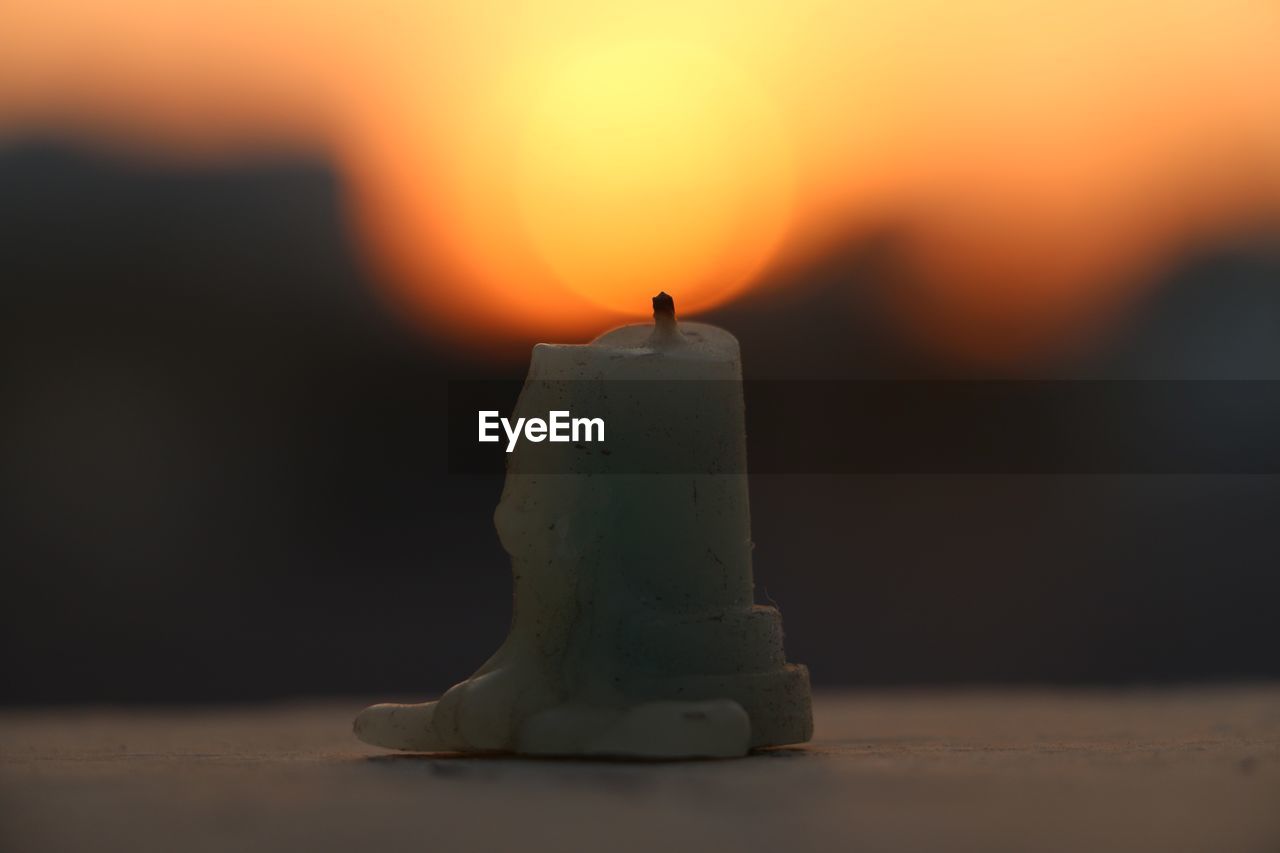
(666, 331)
(664, 306)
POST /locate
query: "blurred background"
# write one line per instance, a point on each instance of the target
(244, 247)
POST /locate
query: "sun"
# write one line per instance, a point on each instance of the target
(652, 166)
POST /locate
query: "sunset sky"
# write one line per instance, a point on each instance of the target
(543, 168)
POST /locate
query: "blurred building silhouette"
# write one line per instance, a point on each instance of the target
(221, 472)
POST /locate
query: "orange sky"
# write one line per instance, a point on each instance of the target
(542, 168)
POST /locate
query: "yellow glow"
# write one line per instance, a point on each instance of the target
(652, 166)
(538, 169)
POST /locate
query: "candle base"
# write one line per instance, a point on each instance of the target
(681, 716)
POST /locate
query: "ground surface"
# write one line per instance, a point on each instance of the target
(1159, 770)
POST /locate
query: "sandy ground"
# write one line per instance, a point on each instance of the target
(981, 770)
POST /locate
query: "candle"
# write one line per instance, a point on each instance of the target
(635, 632)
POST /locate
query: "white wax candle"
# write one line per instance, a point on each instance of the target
(634, 631)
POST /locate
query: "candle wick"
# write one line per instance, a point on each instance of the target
(666, 332)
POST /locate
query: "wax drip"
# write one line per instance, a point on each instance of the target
(666, 331)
